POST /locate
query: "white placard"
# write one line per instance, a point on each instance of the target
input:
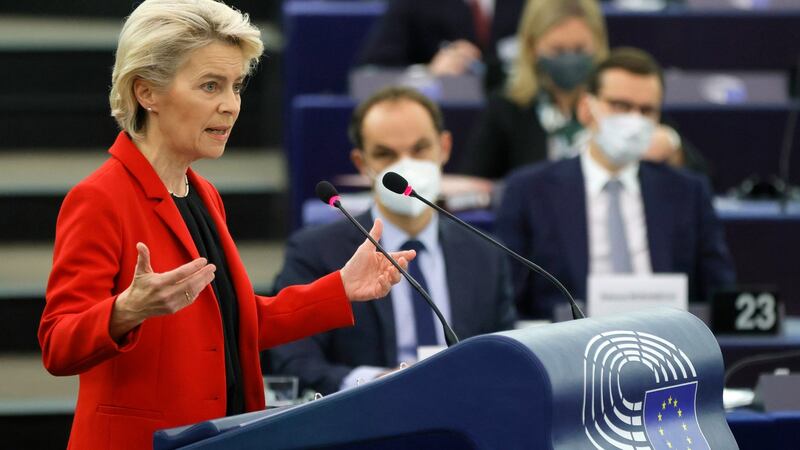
(615, 294)
(426, 351)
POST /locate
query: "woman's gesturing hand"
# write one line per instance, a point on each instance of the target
(155, 294)
(368, 274)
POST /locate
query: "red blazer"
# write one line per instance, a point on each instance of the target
(170, 370)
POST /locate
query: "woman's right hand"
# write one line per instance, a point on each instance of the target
(155, 294)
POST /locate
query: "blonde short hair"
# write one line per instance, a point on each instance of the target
(537, 18)
(157, 38)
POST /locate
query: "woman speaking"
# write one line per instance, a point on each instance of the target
(148, 300)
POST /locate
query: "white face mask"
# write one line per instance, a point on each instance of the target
(623, 138)
(424, 177)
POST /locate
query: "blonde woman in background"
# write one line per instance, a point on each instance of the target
(533, 117)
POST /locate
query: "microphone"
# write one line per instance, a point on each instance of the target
(397, 184)
(327, 193)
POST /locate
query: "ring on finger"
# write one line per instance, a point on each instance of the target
(188, 297)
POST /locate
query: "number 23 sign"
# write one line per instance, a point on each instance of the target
(746, 311)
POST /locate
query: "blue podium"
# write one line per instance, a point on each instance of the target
(649, 380)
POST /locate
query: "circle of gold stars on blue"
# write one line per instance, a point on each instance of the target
(672, 403)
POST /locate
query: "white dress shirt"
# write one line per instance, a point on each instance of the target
(431, 263)
(595, 178)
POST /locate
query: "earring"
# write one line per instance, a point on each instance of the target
(149, 108)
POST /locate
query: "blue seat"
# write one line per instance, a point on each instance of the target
(317, 145)
(737, 140)
(322, 43)
(323, 39)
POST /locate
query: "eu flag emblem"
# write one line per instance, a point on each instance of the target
(670, 419)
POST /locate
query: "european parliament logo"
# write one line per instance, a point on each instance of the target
(639, 393)
(670, 418)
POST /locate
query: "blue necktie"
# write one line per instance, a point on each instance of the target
(423, 316)
(620, 256)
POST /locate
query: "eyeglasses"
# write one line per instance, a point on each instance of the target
(624, 107)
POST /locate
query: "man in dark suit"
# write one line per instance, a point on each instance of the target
(605, 211)
(447, 35)
(399, 130)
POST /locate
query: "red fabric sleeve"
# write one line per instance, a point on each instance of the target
(74, 330)
(300, 311)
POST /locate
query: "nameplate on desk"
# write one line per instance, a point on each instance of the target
(746, 311)
(426, 351)
(616, 294)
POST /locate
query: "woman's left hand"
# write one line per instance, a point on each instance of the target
(368, 274)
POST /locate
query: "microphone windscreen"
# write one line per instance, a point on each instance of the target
(325, 191)
(395, 182)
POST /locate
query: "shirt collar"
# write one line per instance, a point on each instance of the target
(393, 237)
(596, 176)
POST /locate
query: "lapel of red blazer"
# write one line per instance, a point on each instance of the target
(126, 152)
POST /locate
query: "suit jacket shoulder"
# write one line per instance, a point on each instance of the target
(679, 181)
(668, 172)
(537, 174)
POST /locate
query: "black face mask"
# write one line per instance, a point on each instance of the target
(567, 70)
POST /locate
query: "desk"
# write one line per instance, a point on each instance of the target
(735, 348)
(757, 430)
